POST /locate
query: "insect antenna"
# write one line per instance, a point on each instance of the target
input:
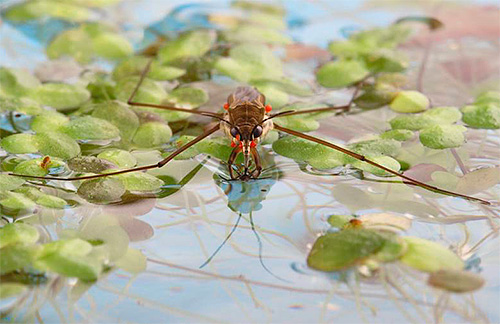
(223, 242)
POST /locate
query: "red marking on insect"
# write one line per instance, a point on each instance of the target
(233, 144)
(238, 137)
(226, 106)
(268, 108)
(253, 144)
(241, 144)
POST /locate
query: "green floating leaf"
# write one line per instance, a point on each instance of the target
(152, 134)
(444, 115)
(412, 122)
(397, 134)
(31, 167)
(90, 128)
(37, 9)
(118, 114)
(49, 121)
(69, 258)
(488, 97)
(61, 96)
(443, 136)
(409, 102)
(188, 97)
(250, 62)
(337, 251)
(251, 33)
(17, 82)
(20, 143)
(386, 161)
(429, 256)
(341, 73)
(385, 60)
(10, 289)
(373, 98)
(485, 116)
(8, 182)
(149, 91)
(92, 164)
(139, 181)
(376, 147)
(14, 233)
(113, 240)
(136, 65)
(74, 42)
(15, 202)
(394, 247)
(192, 44)
(133, 261)
(458, 281)
(15, 257)
(23, 105)
(101, 190)
(112, 46)
(339, 221)
(43, 199)
(57, 145)
(121, 158)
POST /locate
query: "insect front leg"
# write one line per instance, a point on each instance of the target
(256, 159)
(237, 150)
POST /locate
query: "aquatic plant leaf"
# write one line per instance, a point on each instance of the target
(485, 116)
(69, 258)
(133, 261)
(339, 221)
(36, 9)
(351, 197)
(458, 281)
(478, 180)
(376, 147)
(14, 233)
(112, 46)
(373, 98)
(61, 96)
(136, 64)
(444, 115)
(385, 221)
(8, 182)
(10, 289)
(443, 136)
(16, 202)
(385, 60)
(92, 164)
(57, 144)
(101, 190)
(429, 256)
(488, 97)
(251, 33)
(138, 181)
(15, 257)
(114, 240)
(341, 73)
(118, 114)
(74, 42)
(121, 158)
(397, 134)
(49, 121)
(50, 201)
(386, 161)
(187, 97)
(22, 105)
(20, 143)
(392, 249)
(17, 82)
(250, 62)
(149, 91)
(409, 101)
(152, 134)
(192, 44)
(412, 122)
(34, 166)
(90, 128)
(337, 251)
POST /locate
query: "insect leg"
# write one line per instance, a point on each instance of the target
(256, 159)
(230, 162)
(140, 104)
(145, 167)
(364, 159)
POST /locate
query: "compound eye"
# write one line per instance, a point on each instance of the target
(257, 131)
(234, 131)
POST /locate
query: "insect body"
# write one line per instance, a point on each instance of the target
(247, 120)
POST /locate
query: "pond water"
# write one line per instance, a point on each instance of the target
(261, 273)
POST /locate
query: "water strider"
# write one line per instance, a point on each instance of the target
(246, 121)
